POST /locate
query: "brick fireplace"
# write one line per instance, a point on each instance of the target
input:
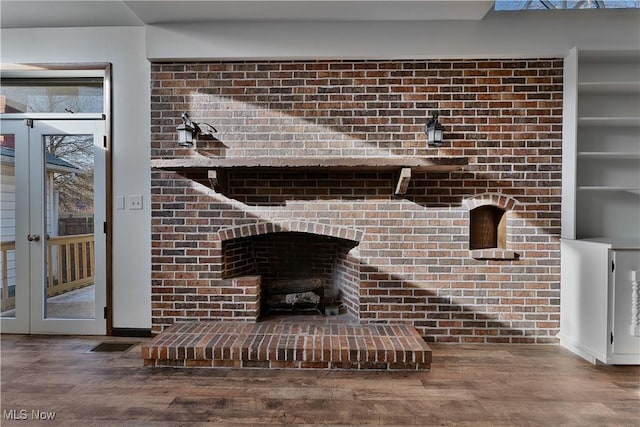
(287, 216)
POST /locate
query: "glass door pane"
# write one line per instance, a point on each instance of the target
(68, 264)
(69, 192)
(7, 225)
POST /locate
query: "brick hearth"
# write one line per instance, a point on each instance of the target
(310, 343)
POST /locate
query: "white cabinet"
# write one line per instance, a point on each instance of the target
(600, 315)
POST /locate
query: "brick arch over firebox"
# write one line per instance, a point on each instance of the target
(248, 230)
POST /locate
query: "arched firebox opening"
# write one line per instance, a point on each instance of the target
(299, 271)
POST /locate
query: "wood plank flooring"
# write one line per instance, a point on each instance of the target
(479, 385)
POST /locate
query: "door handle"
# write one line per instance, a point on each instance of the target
(33, 237)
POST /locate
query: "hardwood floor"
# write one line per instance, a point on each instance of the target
(492, 385)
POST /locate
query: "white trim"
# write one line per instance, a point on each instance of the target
(52, 116)
(569, 145)
(587, 354)
(22, 71)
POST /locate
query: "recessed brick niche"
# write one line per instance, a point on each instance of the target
(393, 258)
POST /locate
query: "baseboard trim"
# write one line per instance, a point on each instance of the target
(131, 332)
(586, 353)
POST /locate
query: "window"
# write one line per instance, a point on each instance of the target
(565, 4)
(52, 95)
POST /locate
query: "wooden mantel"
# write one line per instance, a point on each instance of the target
(424, 164)
(403, 164)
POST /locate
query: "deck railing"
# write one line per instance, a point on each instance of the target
(7, 302)
(70, 266)
(71, 263)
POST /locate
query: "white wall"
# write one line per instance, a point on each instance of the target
(124, 48)
(498, 35)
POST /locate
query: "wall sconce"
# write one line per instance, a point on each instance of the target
(189, 130)
(434, 130)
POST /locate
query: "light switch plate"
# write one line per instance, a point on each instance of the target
(120, 203)
(135, 202)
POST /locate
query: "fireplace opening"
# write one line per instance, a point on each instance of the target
(299, 272)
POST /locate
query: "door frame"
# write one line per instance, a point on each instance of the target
(85, 69)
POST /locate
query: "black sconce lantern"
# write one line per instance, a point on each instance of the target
(189, 130)
(434, 130)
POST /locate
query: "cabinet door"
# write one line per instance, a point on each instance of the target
(624, 341)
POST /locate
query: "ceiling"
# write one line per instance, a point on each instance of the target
(80, 13)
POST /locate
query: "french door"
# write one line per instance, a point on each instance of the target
(53, 244)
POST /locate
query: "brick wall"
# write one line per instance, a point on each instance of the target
(413, 261)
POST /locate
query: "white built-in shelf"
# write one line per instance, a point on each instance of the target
(630, 121)
(612, 87)
(612, 155)
(602, 188)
